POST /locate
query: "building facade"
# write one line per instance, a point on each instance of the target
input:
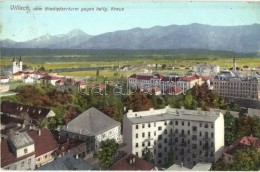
(187, 136)
(17, 67)
(237, 87)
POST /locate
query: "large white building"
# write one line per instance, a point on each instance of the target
(17, 67)
(189, 136)
(237, 87)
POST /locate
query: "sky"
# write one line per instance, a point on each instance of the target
(22, 25)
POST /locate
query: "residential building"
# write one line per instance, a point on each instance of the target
(25, 112)
(18, 152)
(191, 136)
(237, 87)
(197, 167)
(67, 162)
(206, 69)
(92, 126)
(132, 162)
(243, 143)
(45, 146)
(4, 79)
(246, 68)
(73, 146)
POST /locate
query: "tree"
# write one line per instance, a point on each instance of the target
(246, 160)
(229, 121)
(163, 66)
(97, 73)
(106, 154)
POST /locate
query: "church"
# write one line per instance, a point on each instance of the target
(17, 67)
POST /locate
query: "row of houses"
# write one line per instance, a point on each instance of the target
(166, 83)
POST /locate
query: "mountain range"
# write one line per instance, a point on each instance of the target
(245, 39)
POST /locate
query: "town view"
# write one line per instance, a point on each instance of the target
(161, 94)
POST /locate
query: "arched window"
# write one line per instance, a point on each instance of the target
(25, 150)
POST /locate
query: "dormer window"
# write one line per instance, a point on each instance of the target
(25, 150)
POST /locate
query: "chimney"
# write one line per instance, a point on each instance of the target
(39, 132)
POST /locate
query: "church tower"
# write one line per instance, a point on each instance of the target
(14, 66)
(20, 64)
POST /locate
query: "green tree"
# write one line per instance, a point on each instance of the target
(106, 154)
(246, 160)
(229, 121)
(97, 73)
(163, 66)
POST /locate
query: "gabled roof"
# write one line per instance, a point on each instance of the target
(44, 142)
(67, 162)
(20, 109)
(18, 73)
(91, 122)
(132, 162)
(189, 78)
(244, 142)
(141, 77)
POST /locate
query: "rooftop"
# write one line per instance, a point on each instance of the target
(198, 167)
(67, 162)
(132, 162)
(21, 140)
(91, 122)
(172, 113)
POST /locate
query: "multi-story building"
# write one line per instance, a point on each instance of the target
(164, 82)
(18, 152)
(187, 136)
(206, 69)
(92, 126)
(237, 87)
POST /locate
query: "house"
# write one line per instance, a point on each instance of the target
(198, 167)
(132, 162)
(45, 146)
(182, 67)
(18, 76)
(28, 80)
(243, 143)
(73, 146)
(18, 152)
(92, 126)
(26, 112)
(245, 68)
(191, 136)
(4, 79)
(67, 162)
(49, 79)
(190, 81)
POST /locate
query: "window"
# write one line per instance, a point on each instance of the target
(159, 128)
(149, 143)
(149, 134)
(143, 144)
(200, 124)
(165, 131)
(159, 137)
(182, 123)
(136, 145)
(165, 140)
(206, 134)
(211, 125)
(170, 122)
(143, 135)
(154, 124)
(136, 153)
(149, 125)
(22, 164)
(159, 154)
(176, 130)
(29, 161)
(194, 128)
(165, 149)
(206, 126)
(25, 150)
(136, 126)
(154, 151)
(176, 122)
(212, 135)
(159, 145)
(143, 125)
(165, 123)
(200, 133)
(188, 132)
(136, 135)
(154, 133)
(188, 123)
(45, 156)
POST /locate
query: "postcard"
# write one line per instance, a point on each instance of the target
(130, 85)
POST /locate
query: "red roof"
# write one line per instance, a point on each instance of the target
(44, 143)
(20, 109)
(7, 157)
(141, 77)
(138, 164)
(18, 73)
(4, 77)
(244, 142)
(205, 78)
(189, 78)
(174, 89)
